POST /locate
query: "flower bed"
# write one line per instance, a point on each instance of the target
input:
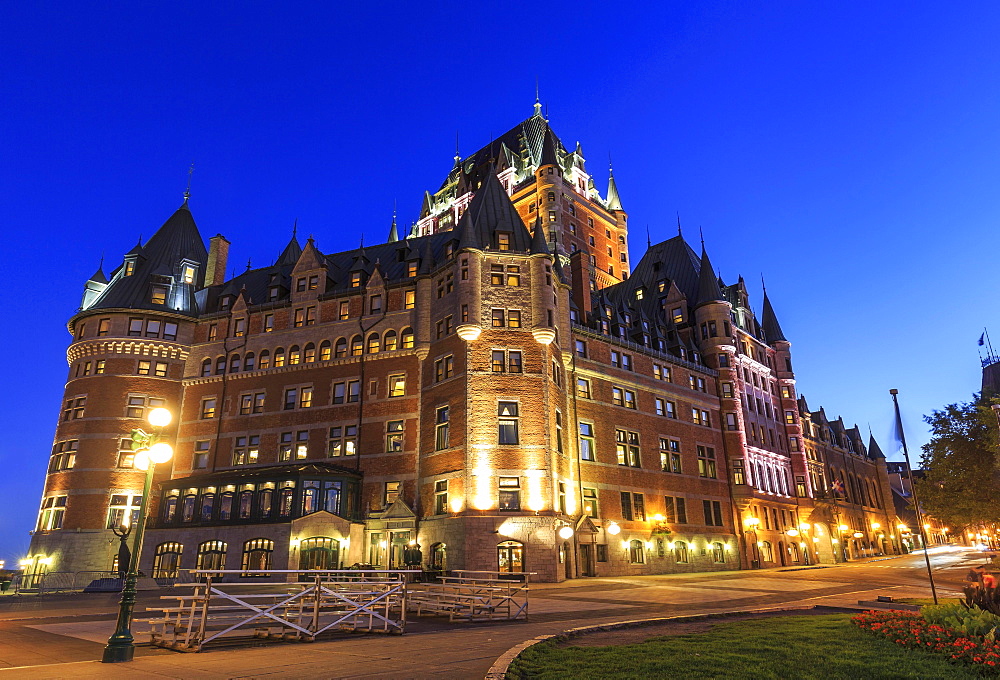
(911, 630)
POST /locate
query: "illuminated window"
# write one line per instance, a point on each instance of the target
(588, 445)
(167, 560)
(343, 441)
(397, 385)
(389, 341)
(208, 407)
(201, 450)
(706, 462)
(508, 422)
(51, 515)
(409, 299)
(391, 493)
(394, 436)
(583, 388)
(636, 552)
(503, 240)
(627, 448)
(246, 450)
(509, 494)
(670, 455)
(122, 505)
(441, 425)
(441, 497)
(407, 338)
(158, 295)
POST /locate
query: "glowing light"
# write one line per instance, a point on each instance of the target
(613, 528)
(141, 460)
(24, 563)
(857, 534)
(815, 540)
(760, 544)
(565, 532)
(160, 417)
(570, 499)
(792, 532)
(902, 527)
(625, 545)
(834, 541)
(752, 521)
(508, 528)
(802, 544)
(469, 332)
(456, 504)
(383, 544)
(484, 496)
(670, 545)
(296, 543)
(412, 542)
(160, 452)
(843, 527)
(649, 545)
(876, 526)
(658, 517)
(804, 526)
(927, 526)
(47, 561)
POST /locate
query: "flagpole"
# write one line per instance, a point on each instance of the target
(913, 492)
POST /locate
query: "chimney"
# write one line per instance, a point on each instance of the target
(218, 253)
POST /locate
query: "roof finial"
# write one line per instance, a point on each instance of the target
(538, 103)
(701, 234)
(248, 264)
(649, 242)
(458, 156)
(101, 265)
(295, 229)
(679, 233)
(764, 287)
(187, 191)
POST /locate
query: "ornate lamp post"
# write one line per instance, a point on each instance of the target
(149, 451)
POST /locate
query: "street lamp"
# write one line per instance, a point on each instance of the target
(149, 451)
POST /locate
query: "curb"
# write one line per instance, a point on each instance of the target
(498, 671)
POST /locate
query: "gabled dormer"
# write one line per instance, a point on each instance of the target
(309, 274)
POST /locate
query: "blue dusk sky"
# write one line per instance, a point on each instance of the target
(846, 151)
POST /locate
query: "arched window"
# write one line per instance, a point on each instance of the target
(309, 354)
(265, 500)
(212, 555)
(357, 346)
(389, 341)
(220, 365)
(248, 362)
(279, 357)
(310, 496)
(265, 359)
(793, 550)
(234, 363)
(319, 552)
(167, 560)
(766, 551)
(324, 350)
(681, 553)
(206, 368)
(257, 556)
(374, 343)
(718, 553)
(294, 355)
(407, 338)
(636, 552)
(340, 349)
(510, 557)
(439, 556)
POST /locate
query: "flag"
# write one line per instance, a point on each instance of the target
(837, 486)
(981, 337)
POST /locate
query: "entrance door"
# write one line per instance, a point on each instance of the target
(587, 560)
(566, 551)
(319, 553)
(781, 552)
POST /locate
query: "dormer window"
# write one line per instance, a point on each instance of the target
(129, 267)
(355, 279)
(225, 302)
(313, 282)
(187, 274)
(638, 293)
(503, 240)
(158, 295)
(300, 285)
(272, 293)
(449, 250)
(411, 269)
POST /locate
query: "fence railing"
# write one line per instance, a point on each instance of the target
(473, 596)
(303, 607)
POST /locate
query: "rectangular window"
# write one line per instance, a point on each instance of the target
(581, 349)
(441, 435)
(286, 441)
(713, 513)
(104, 325)
(409, 299)
(670, 455)
(789, 417)
(588, 445)
(375, 304)
(306, 397)
(246, 450)
(391, 493)
(800, 486)
(626, 499)
(443, 368)
(343, 441)
(201, 450)
(441, 497)
(639, 507)
(739, 475)
(397, 385)
(706, 462)
(353, 391)
(394, 436)
(513, 318)
(344, 310)
(158, 295)
(508, 422)
(135, 328)
(583, 388)
(590, 502)
(509, 494)
(627, 448)
(676, 510)
(623, 397)
(291, 398)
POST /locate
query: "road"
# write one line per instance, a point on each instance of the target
(62, 636)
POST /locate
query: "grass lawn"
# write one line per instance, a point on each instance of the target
(826, 646)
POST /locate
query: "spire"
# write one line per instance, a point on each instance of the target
(708, 285)
(187, 191)
(99, 276)
(649, 241)
(290, 255)
(393, 234)
(614, 202)
(549, 150)
(772, 329)
(539, 245)
(426, 259)
(538, 102)
(873, 448)
(679, 233)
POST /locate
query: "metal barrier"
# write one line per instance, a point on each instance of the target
(308, 605)
(473, 596)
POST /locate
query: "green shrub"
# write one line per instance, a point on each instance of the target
(971, 621)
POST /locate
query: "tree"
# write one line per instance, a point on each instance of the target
(961, 487)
